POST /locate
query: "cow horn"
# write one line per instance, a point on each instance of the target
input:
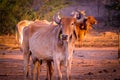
(82, 12)
(57, 18)
(78, 13)
(82, 15)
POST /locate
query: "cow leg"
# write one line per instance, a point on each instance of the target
(26, 63)
(36, 70)
(78, 37)
(50, 70)
(69, 69)
(57, 69)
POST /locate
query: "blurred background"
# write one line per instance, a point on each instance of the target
(107, 12)
(96, 59)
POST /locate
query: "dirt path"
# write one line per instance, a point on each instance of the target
(88, 64)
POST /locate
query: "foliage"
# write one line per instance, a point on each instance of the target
(13, 11)
(115, 4)
(114, 13)
(50, 7)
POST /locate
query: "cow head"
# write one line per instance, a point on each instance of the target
(79, 14)
(83, 24)
(67, 25)
(81, 27)
(90, 22)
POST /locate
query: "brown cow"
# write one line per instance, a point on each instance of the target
(54, 43)
(83, 27)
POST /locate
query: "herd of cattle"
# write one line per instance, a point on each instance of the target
(52, 42)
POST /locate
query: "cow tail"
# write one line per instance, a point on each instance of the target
(17, 34)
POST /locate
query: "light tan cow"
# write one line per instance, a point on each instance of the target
(24, 23)
(19, 33)
(54, 43)
(27, 34)
(29, 30)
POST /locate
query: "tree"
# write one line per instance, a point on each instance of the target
(12, 11)
(115, 5)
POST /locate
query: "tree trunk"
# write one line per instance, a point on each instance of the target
(119, 44)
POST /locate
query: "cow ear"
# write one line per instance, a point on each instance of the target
(74, 14)
(57, 18)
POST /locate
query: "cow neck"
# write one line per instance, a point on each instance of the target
(60, 41)
(66, 46)
(83, 25)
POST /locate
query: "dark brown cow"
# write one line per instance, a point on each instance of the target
(83, 27)
(85, 23)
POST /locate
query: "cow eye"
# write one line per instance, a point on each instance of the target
(72, 23)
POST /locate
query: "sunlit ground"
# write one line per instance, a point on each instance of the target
(90, 62)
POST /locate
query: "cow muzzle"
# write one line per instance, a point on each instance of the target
(93, 26)
(64, 37)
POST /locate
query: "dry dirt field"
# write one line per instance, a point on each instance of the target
(97, 60)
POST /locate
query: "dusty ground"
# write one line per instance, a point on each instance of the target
(88, 64)
(92, 62)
